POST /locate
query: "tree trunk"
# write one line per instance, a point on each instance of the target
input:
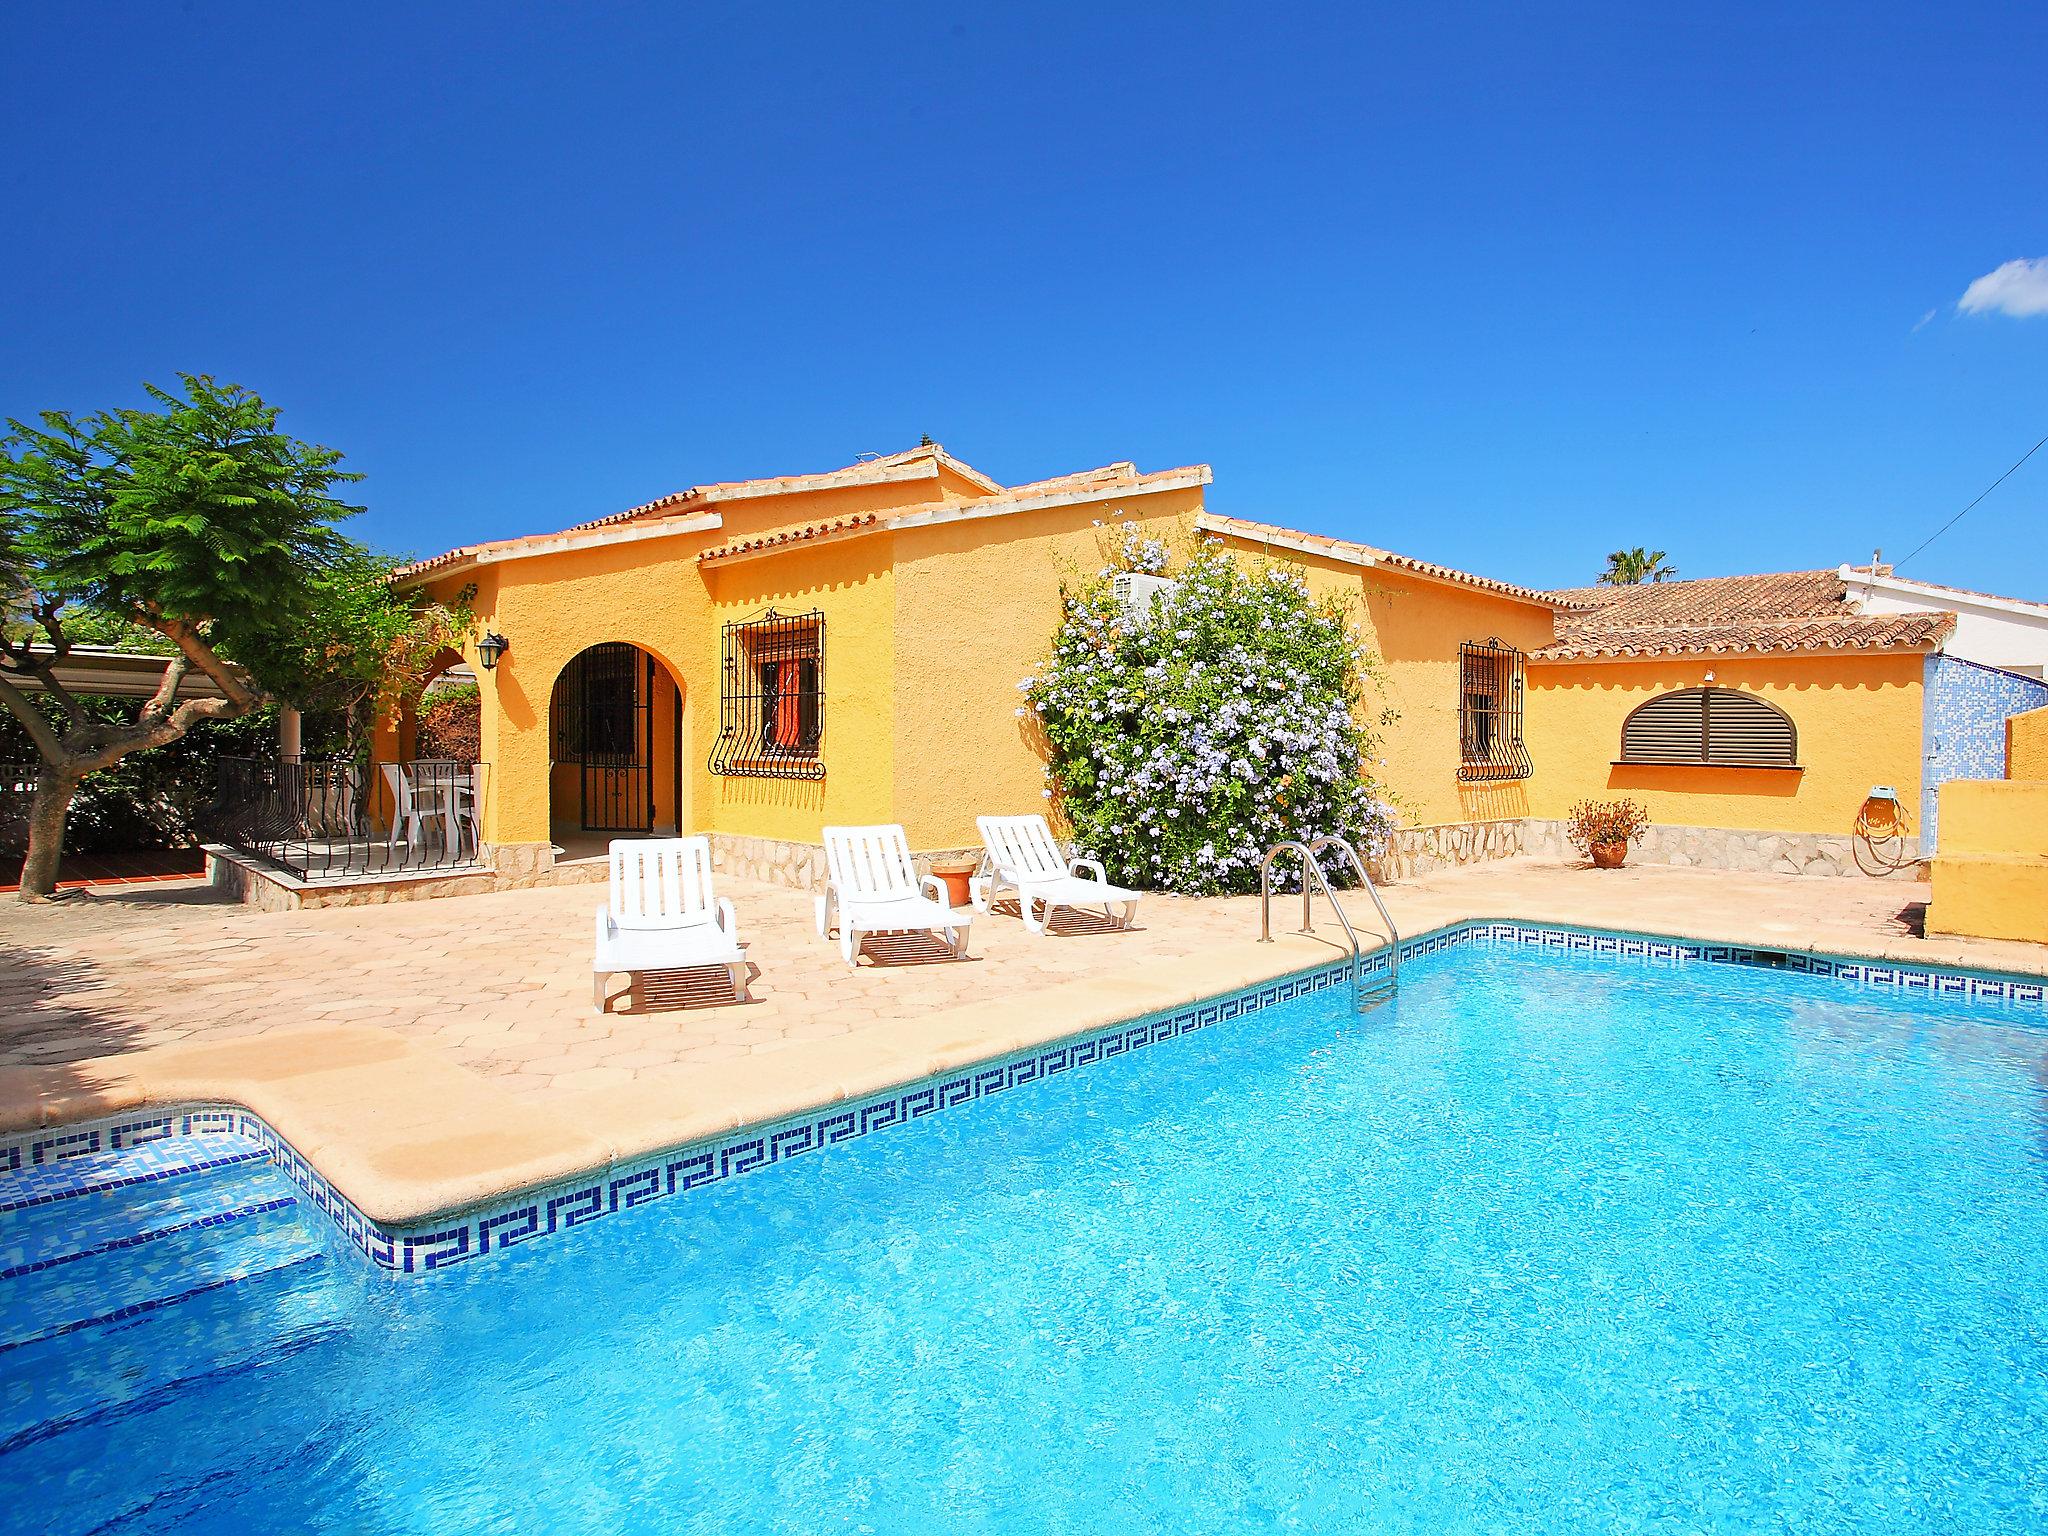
(46, 813)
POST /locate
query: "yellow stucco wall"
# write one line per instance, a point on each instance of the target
(1415, 628)
(853, 585)
(551, 608)
(2026, 745)
(976, 606)
(969, 606)
(1991, 876)
(1858, 718)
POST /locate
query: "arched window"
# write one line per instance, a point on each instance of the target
(1710, 727)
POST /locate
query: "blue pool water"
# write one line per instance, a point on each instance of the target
(1552, 1242)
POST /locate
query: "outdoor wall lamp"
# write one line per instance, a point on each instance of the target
(490, 648)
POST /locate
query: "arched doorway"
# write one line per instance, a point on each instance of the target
(615, 725)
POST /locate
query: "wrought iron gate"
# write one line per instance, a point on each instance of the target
(604, 725)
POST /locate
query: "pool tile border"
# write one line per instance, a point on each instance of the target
(534, 1215)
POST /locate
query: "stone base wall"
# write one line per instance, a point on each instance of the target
(514, 866)
(1774, 853)
(1414, 851)
(801, 866)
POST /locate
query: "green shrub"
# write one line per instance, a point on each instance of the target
(154, 799)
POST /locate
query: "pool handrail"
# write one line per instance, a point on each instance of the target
(1365, 880)
(1313, 877)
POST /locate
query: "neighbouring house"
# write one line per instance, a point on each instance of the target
(755, 660)
(2002, 632)
(1743, 709)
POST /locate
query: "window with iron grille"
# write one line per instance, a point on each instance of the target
(1490, 686)
(1710, 728)
(771, 707)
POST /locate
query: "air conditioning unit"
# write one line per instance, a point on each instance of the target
(1136, 594)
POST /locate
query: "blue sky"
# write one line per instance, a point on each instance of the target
(1499, 287)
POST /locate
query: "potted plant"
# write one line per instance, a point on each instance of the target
(1603, 829)
(954, 871)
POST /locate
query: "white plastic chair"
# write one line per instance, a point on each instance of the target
(405, 814)
(872, 887)
(1019, 854)
(664, 917)
(469, 806)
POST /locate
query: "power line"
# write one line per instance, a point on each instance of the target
(1994, 485)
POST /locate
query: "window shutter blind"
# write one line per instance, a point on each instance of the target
(1671, 729)
(1746, 732)
(1712, 727)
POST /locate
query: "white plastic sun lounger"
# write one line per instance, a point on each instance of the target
(663, 916)
(872, 887)
(1020, 855)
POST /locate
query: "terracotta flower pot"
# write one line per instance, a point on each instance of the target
(1609, 855)
(955, 877)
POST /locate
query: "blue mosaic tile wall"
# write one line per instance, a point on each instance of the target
(32, 1163)
(1963, 714)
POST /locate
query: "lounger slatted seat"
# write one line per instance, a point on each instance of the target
(663, 916)
(1021, 856)
(872, 887)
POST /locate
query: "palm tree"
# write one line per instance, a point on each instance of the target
(1626, 567)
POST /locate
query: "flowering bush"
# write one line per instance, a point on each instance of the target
(1186, 743)
(1593, 823)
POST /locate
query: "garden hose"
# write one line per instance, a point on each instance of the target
(1881, 828)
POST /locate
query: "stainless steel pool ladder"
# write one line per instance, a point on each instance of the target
(1313, 878)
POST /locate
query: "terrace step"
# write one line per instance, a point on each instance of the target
(36, 1235)
(133, 1272)
(103, 1172)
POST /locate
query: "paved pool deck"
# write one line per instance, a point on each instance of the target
(429, 1055)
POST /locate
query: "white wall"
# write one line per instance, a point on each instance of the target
(1991, 631)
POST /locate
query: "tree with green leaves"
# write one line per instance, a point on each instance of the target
(203, 526)
(1627, 567)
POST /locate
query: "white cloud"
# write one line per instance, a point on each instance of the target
(1924, 321)
(2017, 288)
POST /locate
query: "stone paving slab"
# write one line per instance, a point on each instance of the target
(432, 1055)
(500, 982)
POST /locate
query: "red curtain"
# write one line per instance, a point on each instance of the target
(789, 704)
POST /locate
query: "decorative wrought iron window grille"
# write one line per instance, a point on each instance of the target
(771, 701)
(1490, 688)
(1710, 728)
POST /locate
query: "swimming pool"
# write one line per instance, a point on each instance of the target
(1555, 1240)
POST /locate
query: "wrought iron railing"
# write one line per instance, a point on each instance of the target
(341, 820)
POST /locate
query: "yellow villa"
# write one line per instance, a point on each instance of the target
(756, 660)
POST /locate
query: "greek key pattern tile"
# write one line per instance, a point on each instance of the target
(105, 1154)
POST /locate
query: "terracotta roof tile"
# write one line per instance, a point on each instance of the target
(826, 530)
(700, 497)
(1366, 554)
(1778, 611)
